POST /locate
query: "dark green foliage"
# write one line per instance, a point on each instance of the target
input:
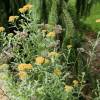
(7, 8)
(67, 22)
(3, 12)
(84, 7)
(53, 16)
(37, 10)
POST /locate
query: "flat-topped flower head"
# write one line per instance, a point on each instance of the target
(2, 29)
(22, 67)
(22, 10)
(44, 31)
(75, 82)
(68, 88)
(51, 34)
(53, 54)
(69, 46)
(39, 60)
(22, 75)
(13, 18)
(25, 8)
(28, 6)
(97, 20)
(57, 72)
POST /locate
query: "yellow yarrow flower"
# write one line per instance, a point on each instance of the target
(23, 67)
(51, 34)
(53, 54)
(97, 20)
(69, 46)
(28, 6)
(28, 66)
(22, 10)
(25, 8)
(13, 18)
(40, 60)
(68, 88)
(75, 82)
(57, 71)
(2, 29)
(22, 75)
(44, 31)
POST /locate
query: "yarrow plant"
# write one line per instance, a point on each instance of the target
(13, 18)
(25, 8)
(2, 29)
(37, 70)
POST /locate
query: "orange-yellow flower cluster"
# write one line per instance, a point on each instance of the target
(98, 21)
(22, 67)
(68, 88)
(69, 46)
(22, 75)
(13, 18)
(25, 8)
(75, 82)
(53, 54)
(2, 29)
(51, 34)
(41, 60)
(44, 31)
(57, 71)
